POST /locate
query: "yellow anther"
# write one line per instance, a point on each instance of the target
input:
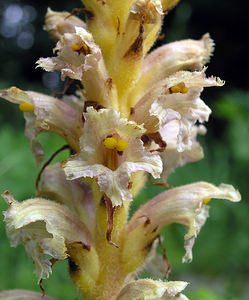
(175, 89)
(122, 145)
(76, 47)
(110, 143)
(179, 88)
(184, 90)
(81, 47)
(26, 107)
(206, 201)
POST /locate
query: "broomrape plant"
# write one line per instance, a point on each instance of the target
(138, 114)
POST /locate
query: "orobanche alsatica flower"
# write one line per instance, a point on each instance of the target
(137, 115)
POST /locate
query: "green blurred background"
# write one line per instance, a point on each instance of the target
(220, 269)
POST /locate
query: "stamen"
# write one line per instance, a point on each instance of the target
(76, 47)
(122, 145)
(179, 88)
(26, 107)
(206, 201)
(110, 143)
(113, 143)
(81, 48)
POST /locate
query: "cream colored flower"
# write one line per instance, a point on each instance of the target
(78, 57)
(45, 228)
(45, 113)
(185, 205)
(111, 150)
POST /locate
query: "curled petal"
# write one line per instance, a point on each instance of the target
(184, 205)
(45, 229)
(48, 114)
(147, 289)
(22, 295)
(76, 194)
(73, 52)
(190, 107)
(58, 23)
(175, 156)
(115, 184)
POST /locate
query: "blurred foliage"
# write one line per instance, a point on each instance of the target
(220, 263)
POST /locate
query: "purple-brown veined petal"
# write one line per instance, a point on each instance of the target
(148, 289)
(23, 295)
(75, 194)
(49, 114)
(45, 228)
(58, 23)
(184, 205)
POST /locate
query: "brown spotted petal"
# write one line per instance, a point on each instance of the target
(183, 205)
(75, 194)
(23, 295)
(58, 23)
(45, 228)
(49, 114)
(147, 289)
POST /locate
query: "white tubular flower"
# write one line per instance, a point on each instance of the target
(169, 59)
(111, 149)
(147, 289)
(74, 51)
(186, 205)
(23, 295)
(58, 23)
(45, 113)
(180, 93)
(184, 89)
(45, 229)
(78, 57)
(173, 109)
